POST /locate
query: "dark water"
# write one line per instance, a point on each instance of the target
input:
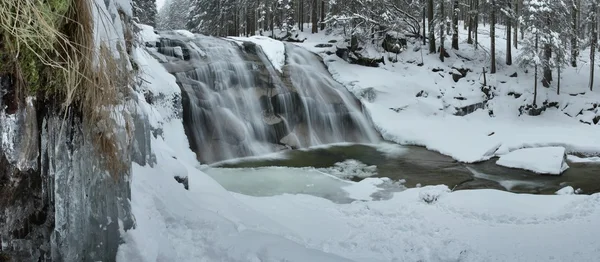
(418, 166)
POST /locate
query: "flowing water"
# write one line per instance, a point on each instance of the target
(416, 166)
(235, 104)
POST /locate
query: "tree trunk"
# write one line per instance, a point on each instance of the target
(558, 81)
(508, 40)
(301, 15)
(442, 51)
(574, 45)
(424, 28)
(547, 78)
(455, 25)
(594, 24)
(470, 19)
(322, 15)
(516, 24)
(431, 27)
(313, 17)
(493, 37)
(535, 83)
(476, 23)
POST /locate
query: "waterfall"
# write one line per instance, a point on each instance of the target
(236, 104)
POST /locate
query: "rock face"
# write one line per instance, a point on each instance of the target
(58, 201)
(236, 104)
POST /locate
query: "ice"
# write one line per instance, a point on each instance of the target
(351, 168)
(541, 160)
(272, 181)
(365, 188)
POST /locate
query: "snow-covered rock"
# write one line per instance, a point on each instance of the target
(541, 160)
(568, 190)
(273, 49)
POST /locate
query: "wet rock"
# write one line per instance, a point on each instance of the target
(437, 69)
(422, 93)
(332, 41)
(514, 74)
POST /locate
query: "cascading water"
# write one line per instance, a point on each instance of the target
(235, 104)
(330, 112)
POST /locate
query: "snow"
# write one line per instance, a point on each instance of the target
(568, 190)
(209, 223)
(403, 116)
(541, 160)
(273, 49)
(185, 33)
(351, 168)
(147, 34)
(576, 159)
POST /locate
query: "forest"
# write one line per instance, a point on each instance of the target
(553, 33)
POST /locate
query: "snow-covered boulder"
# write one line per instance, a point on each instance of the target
(568, 190)
(541, 160)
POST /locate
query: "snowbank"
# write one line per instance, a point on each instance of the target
(542, 160)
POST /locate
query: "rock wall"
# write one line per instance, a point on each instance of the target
(58, 201)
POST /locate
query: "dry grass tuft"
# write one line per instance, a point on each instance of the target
(53, 53)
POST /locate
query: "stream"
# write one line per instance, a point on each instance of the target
(293, 171)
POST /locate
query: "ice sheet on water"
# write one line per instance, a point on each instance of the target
(272, 181)
(350, 168)
(542, 160)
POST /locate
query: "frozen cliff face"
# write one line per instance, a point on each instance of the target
(58, 202)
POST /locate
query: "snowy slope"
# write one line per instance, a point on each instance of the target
(208, 223)
(411, 104)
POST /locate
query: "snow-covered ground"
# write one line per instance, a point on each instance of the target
(411, 104)
(209, 223)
